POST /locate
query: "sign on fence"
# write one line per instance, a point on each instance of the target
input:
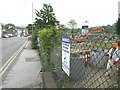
(66, 54)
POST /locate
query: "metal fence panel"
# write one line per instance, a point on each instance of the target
(87, 71)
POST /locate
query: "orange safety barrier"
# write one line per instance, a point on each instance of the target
(87, 59)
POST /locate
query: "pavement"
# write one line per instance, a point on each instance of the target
(25, 73)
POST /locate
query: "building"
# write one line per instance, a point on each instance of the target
(85, 28)
(25, 32)
(119, 9)
(13, 30)
(21, 32)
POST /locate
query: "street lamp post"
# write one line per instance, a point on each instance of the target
(32, 17)
(119, 9)
(31, 13)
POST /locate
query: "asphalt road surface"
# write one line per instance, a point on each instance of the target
(8, 46)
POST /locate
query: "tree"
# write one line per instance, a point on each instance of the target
(29, 27)
(9, 26)
(72, 23)
(45, 17)
(62, 27)
(113, 28)
(39, 23)
(118, 26)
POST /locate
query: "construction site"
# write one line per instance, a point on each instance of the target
(94, 61)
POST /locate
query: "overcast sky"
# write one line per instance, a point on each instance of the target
(96, 12)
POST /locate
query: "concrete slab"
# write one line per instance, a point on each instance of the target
(25, 73)
(49, 80)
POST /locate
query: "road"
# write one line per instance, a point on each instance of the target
(8, 46)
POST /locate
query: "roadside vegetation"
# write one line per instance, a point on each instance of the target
(118, 27)
(47, 31)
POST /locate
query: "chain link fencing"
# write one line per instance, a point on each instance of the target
(88, 64)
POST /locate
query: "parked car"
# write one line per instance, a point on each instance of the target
(5, 36)
(10, 35)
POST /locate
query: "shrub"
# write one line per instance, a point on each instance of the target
(34, 40)
(48, 40)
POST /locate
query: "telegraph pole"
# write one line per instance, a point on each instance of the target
(119, 9)
(32, 17)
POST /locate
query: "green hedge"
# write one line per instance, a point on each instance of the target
(34, 40)
(49, 38)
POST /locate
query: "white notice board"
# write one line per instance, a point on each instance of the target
(66, 54)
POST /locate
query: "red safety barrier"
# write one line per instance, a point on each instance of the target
(86, 56)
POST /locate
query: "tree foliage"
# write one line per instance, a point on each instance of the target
(30, 27)
(72, 23)
(45, 17)
(111, 29)
(62, 27)
(118, 26)
(9, 26)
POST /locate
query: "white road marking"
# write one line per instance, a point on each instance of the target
(8, 63)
